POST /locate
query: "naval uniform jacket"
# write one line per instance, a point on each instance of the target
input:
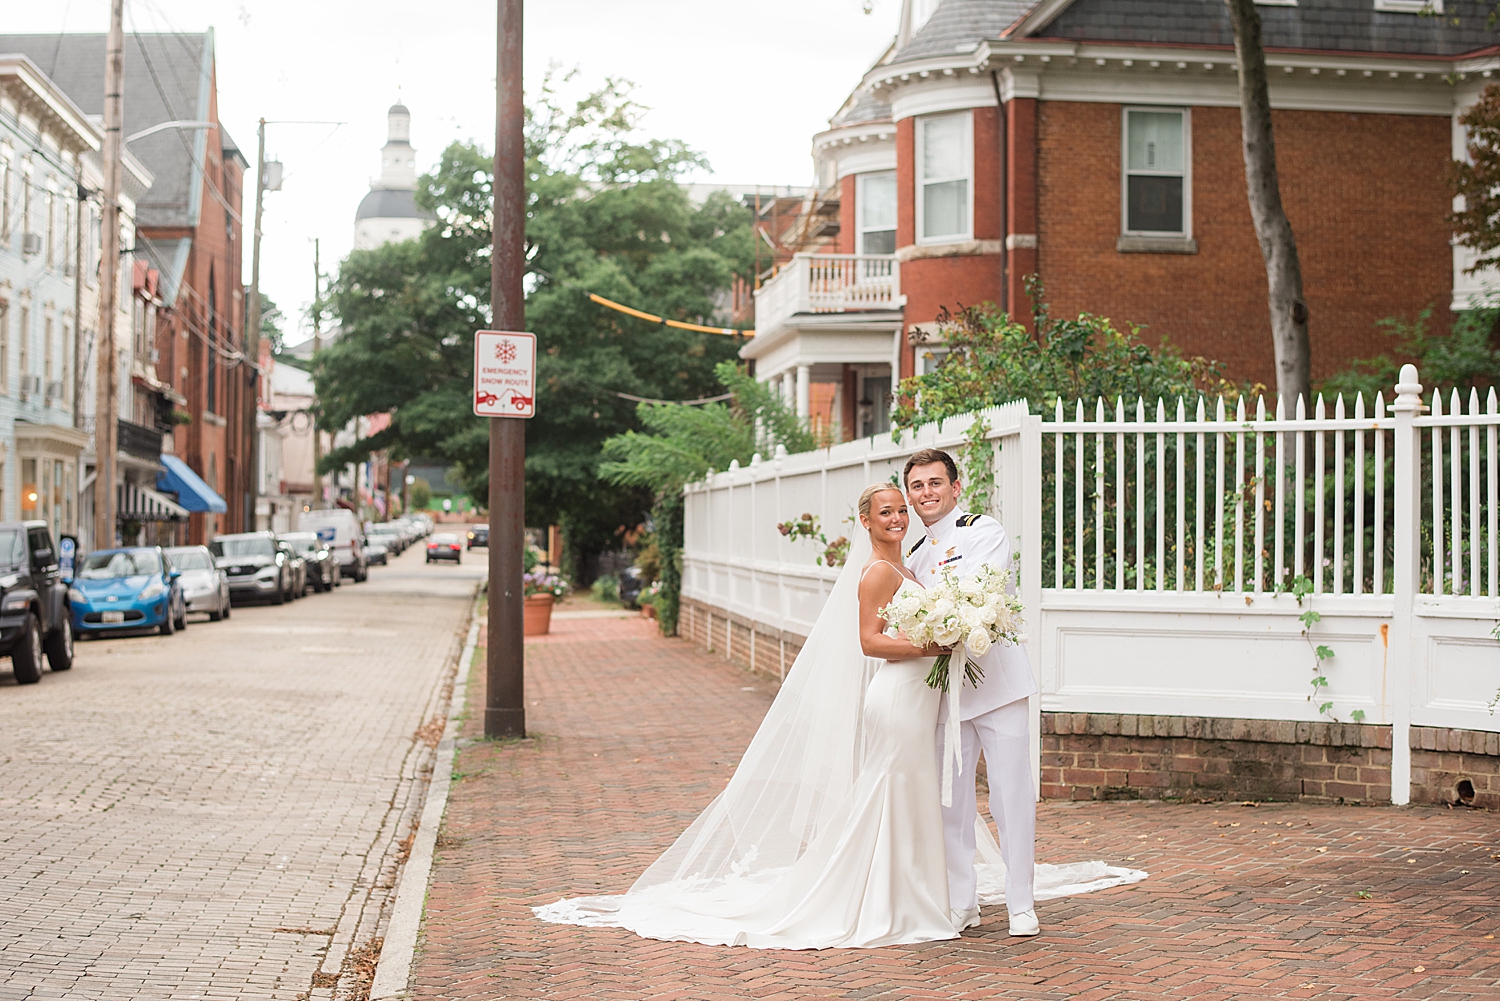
(963, 543)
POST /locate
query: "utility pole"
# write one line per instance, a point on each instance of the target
(317, 318)
(252, 335)
(505, 692)
(106, 410)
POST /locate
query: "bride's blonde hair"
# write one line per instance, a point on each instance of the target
(868, 496)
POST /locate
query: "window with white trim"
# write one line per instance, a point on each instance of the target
(875, 203)
(1156, 188)
(945, 162)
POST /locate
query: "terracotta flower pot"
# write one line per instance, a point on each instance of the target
(538, 615)
(648, 611)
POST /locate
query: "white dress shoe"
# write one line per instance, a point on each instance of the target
(965, 919)
(1024, 924)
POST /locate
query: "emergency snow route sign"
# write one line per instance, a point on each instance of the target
(504, 373)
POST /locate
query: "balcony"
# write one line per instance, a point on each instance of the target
(142, 442)
(828, 283)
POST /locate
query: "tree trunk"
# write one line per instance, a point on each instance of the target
(1277, 244)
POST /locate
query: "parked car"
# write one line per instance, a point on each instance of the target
(388, 535)
(255, 565)
(479, 535)
(340, 529)
(35, 617)
(630, 587)
(205, 587)
(322, 568)
(376, 552)
(131, 588)
(444, 546)
(298, 567)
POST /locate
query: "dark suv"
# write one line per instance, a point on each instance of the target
(34, 613)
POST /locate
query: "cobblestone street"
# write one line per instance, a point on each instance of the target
(632, 735)
(219, 813)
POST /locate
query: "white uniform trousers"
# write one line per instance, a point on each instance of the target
(1005, 736)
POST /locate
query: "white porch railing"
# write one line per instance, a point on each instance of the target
(828, 283)
(1160, 558)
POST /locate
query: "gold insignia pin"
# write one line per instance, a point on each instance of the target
(950, 551)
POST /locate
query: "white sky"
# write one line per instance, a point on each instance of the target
(748, 84)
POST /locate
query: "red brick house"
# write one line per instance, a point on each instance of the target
(1096, 144)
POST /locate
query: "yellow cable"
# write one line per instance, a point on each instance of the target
(696, 327)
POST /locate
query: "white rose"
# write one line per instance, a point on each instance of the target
(987, 614)
(1020, 637)
(969, 586)
(947, 633)
(942, 608)
(910, 605)
(978, 642)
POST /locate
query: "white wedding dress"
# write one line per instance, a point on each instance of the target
(829, 834)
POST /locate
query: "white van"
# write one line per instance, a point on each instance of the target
(339, 528)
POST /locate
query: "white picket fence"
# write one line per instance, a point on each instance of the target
(1161, 553)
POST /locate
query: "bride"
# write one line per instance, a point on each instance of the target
(829, 834)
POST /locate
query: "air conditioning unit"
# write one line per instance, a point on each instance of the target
(68, 269)
(55, 389)
(31, 384)
(31, 243)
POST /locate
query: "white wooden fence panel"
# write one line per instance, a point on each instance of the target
(1156, 555)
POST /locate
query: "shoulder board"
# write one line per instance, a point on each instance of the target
(912, 551)
(965, 520)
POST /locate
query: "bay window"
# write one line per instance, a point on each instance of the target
(875, 200)
(945, 162)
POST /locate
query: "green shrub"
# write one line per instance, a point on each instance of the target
(606, 588)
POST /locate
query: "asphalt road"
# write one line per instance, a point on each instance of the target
(220, 813)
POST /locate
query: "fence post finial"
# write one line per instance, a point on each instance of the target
(1408, 391)
(780, 451)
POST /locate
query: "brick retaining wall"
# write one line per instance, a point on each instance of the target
(1101, 756)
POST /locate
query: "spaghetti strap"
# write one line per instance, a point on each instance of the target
(887, 563)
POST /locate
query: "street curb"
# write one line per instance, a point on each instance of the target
(393, 971)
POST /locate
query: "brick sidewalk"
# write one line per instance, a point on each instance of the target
(634, 734)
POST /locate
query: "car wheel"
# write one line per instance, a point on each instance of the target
(167, 625)
(26, 655)
(227, 604)
(280, 598)
(216, 616)
(182, 619)
(60, 645)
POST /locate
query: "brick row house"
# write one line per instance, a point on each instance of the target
(1096, 144)
(188, 385)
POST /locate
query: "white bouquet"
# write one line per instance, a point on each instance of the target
(975, 611)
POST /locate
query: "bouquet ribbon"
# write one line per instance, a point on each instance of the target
(953, 754)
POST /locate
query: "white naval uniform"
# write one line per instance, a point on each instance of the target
(995, 717)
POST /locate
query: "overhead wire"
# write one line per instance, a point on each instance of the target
(641, 314)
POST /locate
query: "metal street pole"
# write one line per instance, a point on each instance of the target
(252, 335)
(106, 410)
(317, 318)
(505, 692)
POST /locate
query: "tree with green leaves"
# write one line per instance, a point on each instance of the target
(680, 444)
(992, 359)
(270, 324)
(607, 214)
(1476, 180)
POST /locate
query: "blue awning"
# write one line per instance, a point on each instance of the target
(192, 493)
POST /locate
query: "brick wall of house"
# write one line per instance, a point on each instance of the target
(848, 216)
(1368, 222)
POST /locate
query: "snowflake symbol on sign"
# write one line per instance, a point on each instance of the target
(506, 351)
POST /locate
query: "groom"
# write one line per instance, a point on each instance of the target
(994, 716)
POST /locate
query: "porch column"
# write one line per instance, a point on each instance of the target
(788, 389)
(804, 390)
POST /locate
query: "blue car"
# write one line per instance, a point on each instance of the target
(122, 589)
